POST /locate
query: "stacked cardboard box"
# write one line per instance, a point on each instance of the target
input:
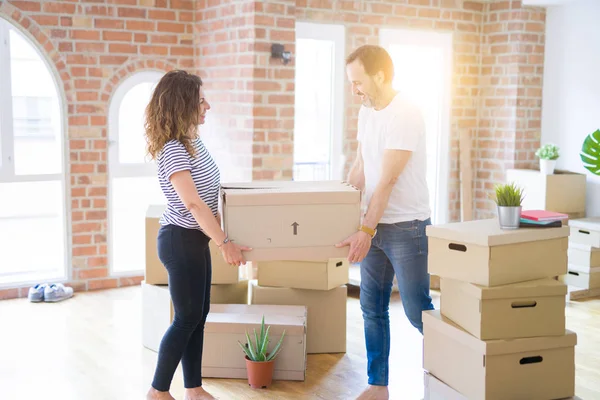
(293, 228)
(500, 331)
(320, 286)
(584, 254)
(563, 191)
(229, 285)
(296, 221)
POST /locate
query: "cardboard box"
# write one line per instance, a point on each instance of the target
(156, 273)
(482, 253)
(232, 293)
(227, 324)
(435, 389)
(326, 313)
(158, 312)
(529, 368)
(318, 275)
(294, 221)
(519, 310)
(438, 390)
(584, 280)
(586, 231)
(563, 191)
(584, 256)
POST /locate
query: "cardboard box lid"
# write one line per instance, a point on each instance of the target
(590, 223)
(496, 347)
(155, 210)
(239, 318)
(536, 288)
(290, 192)
(487, 232)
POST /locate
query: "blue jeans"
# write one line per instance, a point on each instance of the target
(399, 249)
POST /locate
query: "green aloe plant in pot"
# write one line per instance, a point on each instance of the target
(548, 154)
(509, 198)
(590, 152)
(260, 362)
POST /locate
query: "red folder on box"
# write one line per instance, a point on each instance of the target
(543, 215)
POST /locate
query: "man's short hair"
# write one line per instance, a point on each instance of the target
(374, 59)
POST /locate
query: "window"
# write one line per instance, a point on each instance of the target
(422, 70)
(319, 102)
(33, 239)
(133, 181)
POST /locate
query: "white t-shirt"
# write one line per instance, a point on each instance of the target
(399, 126)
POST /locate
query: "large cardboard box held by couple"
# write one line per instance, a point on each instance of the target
(156, 273)
(288, 220)
(535, 368)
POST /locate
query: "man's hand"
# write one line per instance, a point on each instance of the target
(359, 243)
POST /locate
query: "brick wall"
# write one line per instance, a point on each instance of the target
(92, 48)
(496, 88)
(251, 128)
(509, 128)
(225, 60)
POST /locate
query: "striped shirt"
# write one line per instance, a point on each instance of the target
(205, 174)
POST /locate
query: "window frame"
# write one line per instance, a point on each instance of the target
(337, 34)
(115, 168)
(7, 156)
(443, 41)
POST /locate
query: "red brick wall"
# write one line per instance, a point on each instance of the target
(252, 123)
(496, 90)
(92, 48)
(225, 60)
(511, 96)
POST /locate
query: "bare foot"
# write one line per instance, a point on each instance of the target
(197, 393)
(375, 393)
(154, 394)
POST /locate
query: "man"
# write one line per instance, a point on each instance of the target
(390, 169)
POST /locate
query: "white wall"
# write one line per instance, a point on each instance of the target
(571, 97)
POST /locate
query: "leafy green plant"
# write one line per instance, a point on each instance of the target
(257, 350)
(590, 152)
(548, 152)
(508, 195)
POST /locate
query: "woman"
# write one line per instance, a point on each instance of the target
(190, 180)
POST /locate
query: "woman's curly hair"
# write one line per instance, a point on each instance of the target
(173, 112)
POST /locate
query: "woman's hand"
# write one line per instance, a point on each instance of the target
(232, 253)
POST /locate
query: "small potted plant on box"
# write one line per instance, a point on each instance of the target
(508, 198)
(548, 154)
(259, 363)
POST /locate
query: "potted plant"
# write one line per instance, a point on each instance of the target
(509, 198)
(548, 154)
(590, 152)
(259, 362)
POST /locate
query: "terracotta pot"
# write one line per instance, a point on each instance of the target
(260, 374)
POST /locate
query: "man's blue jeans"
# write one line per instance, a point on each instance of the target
(399, 249)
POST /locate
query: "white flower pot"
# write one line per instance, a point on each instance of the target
(547, 167)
